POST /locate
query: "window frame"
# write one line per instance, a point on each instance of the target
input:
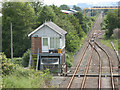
(43, 41)
(55, 45)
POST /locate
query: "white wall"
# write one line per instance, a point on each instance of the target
(63, 41)
(46, 32)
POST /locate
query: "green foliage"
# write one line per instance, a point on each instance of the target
(103, 24)
(15, 76)
(72, 42)
(17, 60)
(69, 58)
(69, 63)
(37, 7)
(76, 8)
(7, 66)
(107, 42)
(25, 78)
(112, 22)
(64, 7)
(77, 26)
(25, 58)
(22, 16)
(46, 14)
(85, 22)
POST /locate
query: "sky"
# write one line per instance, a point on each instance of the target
(75, 2)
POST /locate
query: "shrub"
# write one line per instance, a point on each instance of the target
(116, 33)
(25, 58)
(4, 59)
(27, 78)
(69, 59)
(47, 77)
(17, 60)
(69, 64)
(7, 66)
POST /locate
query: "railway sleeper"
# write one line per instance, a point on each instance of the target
(91, 75)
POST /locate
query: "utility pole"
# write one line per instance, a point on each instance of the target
(11, 43)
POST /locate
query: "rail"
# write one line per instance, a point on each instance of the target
(90, 37)
(110, 65)
(69, 85)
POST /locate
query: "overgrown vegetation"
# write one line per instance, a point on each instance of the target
(15, 76)
(107, 42)
(26, 58)
(69, 58)
(111, 25)
(111, 22)
(24, 78)
(104, 23)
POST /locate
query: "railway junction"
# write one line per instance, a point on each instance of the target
(94, 66)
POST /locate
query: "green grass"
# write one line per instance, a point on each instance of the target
(25, 78)
(107, 42)
(16, 76)
(69, 58)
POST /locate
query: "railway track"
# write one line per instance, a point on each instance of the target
(110, 65)
(93, 44)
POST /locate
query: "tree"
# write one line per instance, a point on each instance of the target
(64, 7)
(72, 42)
(46, 14)
(21, 15)
(75, 23)
(76, 8)
(83, 21)
(37, 6)
(113, 21)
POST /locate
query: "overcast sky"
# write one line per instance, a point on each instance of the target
(75, 2)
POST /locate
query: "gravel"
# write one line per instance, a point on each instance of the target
(91, 82)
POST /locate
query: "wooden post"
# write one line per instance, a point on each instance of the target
(11, 43)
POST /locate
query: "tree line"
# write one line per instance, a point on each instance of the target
(111, 22)
(27, 16)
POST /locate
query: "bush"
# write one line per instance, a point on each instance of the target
(25, 58)
(7, 66)
(68, 63)
(116, 33)
(69, 59)
(4, 59)
(17, 60)
(72, 42)
(27, 78)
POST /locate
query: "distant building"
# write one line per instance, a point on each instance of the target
(70, 11)
(48, 44)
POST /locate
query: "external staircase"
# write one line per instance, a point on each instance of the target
(34, 60)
